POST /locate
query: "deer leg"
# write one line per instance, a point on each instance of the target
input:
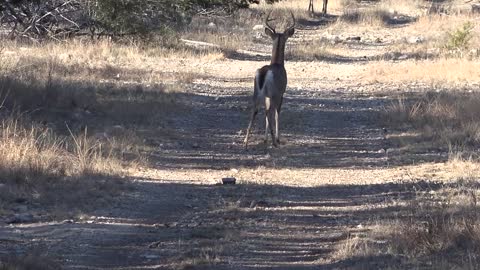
(280, 105)
(267, 125)
(271, 120)
(277, 132)
(252, 120)
(268, 104)
(310, 7)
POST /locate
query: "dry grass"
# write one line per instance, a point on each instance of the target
(438, 230)
(435, 72)
(69, 114)
(103, 61)
(310, 50)
(126, 87)
(40, 167)
(297, 7)
(449, 119)
(230, 33)
(235, 32)
(376, 16)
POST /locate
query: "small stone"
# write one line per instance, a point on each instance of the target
(212, 25)
(392, 11)
(355, 38)
(229, 180)
(258, 27)
(415, 40)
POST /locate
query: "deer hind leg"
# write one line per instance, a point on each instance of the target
(267, 120)
(277, 132)
(267, 126)
(250, 125)
(270, 121)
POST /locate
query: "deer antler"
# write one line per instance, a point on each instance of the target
(267, 25)
(293, 25)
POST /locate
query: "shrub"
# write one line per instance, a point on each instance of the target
(459, 40)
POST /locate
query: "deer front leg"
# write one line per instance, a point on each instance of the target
(252, 120)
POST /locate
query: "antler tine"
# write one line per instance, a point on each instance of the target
(267, 24)
(293, 18)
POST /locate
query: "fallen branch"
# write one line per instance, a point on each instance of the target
(196, 44)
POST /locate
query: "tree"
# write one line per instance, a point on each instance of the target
(57, 19)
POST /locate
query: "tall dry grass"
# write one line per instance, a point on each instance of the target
(447, 119)
(38, 166)
(437, 229)
(67, 124)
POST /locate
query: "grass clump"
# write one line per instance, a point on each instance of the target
(459, 40)
(437, 229)
(39, 166)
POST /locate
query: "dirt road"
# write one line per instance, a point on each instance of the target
(295, 207)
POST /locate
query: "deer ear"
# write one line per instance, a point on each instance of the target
(269, 32)
(290, 32)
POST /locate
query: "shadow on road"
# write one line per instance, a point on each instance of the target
(220, 227)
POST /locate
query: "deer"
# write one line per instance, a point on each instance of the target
(270, 83)
(324, 8)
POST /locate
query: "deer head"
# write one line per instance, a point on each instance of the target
(279, 39)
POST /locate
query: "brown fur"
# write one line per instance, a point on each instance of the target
(270, 84)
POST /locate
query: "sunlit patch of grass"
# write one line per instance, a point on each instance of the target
(438, 228)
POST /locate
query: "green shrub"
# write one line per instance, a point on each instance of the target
(459, 40)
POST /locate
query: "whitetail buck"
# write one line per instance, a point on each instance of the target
(270, 83)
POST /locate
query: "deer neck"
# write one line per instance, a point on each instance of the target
(278, 52)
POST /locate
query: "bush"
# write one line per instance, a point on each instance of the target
(61, 18)
(459, 40)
